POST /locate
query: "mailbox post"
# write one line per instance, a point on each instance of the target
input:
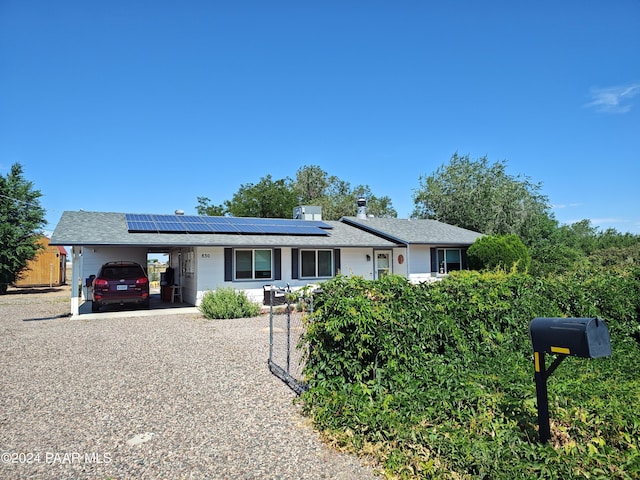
(579, 337)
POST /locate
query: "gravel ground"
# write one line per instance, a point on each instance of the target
(166, 396)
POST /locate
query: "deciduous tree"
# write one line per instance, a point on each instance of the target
(266, 199)
(312, 186)
(204, 207)
(480, 196)
(337, 198)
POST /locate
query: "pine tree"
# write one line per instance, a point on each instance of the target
(21, 223)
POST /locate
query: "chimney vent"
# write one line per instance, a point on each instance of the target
(362, 208)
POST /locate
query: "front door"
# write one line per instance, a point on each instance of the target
(382, 263)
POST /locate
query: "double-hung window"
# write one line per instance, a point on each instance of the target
(316, 263)
(253, 264)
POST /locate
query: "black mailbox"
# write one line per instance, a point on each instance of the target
(580, 337)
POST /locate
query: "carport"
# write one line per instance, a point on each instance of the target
(87, 259)
(95, 238)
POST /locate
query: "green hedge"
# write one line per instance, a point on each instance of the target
(436, 380)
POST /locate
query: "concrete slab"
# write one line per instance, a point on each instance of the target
(116, 311)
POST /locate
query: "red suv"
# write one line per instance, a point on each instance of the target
(120, 283)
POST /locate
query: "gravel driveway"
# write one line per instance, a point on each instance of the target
(166, 396)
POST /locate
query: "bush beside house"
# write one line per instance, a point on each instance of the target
(228, 303)
(505, 251)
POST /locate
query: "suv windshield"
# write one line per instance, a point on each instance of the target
(118, 272)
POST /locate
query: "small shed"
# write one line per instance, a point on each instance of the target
(48, 268)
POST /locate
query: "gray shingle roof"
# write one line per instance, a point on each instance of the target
(414, 231)
(106, 228)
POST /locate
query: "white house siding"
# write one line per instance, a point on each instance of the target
(420, 264)
(353, 262)
(286, 268)
(210, 269)
(400, 268)
(210, 266)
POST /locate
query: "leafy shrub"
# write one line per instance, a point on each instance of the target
(436, 380)
(492, 251)
(228, 303)
(612, 256)
(554, 259)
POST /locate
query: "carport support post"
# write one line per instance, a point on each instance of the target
(543, 401)
(288, 335)
(270, 326)
(76, 255)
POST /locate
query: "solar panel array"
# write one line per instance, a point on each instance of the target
(150, 223)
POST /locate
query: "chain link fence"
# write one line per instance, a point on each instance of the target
(286, 326)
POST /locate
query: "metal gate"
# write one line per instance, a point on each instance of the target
(286, 327)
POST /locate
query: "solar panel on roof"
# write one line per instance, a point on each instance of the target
(142, 226)
(140, 223)
(139, 217)
(317, 223)
(198, 228)
(215, 220)
(280, 229)
(192, 219)
(309, 230)
(245, 220)
(222, 228)
(166, 218)
(247, 228)
(275, 226)
(170, 226)
(204, 224)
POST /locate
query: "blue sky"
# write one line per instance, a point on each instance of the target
(140, 106)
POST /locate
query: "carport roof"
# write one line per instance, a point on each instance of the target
(110, 228)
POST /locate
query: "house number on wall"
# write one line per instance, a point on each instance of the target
(206, 255)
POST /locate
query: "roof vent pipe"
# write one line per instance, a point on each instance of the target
(362, 208)
(179, 212)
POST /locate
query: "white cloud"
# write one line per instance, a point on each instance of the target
(608, 221)
(616, 99)
(559, 206)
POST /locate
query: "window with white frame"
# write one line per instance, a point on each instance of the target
(449, 259)
(316, 263)
(253, 264)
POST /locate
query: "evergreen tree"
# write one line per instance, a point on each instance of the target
(21, 223)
